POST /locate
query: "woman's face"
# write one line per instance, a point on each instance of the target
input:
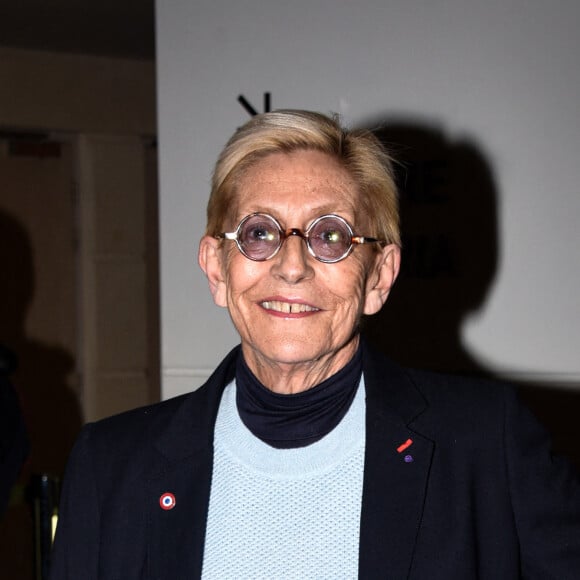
(293, 311)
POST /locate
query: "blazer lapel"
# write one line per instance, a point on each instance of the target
(397, 462)
(181, 480)
(177, 529)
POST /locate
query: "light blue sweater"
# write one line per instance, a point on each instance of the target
(285, 513)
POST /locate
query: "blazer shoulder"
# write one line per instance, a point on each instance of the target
(479, 411)
(460, 389)
(174, 418)
(415, 392)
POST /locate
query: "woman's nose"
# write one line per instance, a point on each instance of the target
(293, 262)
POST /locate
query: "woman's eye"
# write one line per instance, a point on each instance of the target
(332, 236)
(260, 234)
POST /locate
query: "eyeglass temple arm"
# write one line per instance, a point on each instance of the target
(366, 240)
(227, 236)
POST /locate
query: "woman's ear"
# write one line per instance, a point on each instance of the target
(382, 277)
(210, 260)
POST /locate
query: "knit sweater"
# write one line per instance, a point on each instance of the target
(285, 513)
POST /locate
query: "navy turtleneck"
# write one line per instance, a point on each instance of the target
(297, 420)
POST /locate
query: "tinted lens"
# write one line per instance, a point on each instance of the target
(259, 237)
(330, 238)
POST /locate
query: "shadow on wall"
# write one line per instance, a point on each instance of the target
(51, 410)
(450, 253)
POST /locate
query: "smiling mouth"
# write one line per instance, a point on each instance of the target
(288, 307)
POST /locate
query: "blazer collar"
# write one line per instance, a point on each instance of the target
(189, 430)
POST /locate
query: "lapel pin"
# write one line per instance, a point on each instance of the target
(167, 501)
(408, 459)
(404, 446)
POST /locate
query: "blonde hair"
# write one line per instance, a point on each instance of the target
(285, 131)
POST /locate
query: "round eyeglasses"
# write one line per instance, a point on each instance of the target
(329, 238)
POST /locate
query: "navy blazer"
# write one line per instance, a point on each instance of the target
(476, 492)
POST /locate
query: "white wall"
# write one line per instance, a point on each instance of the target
(501, 73)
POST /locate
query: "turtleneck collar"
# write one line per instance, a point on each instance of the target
(297, 420)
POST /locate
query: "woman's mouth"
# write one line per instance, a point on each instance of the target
(287, 307)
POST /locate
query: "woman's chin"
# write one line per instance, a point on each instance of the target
(296, 353)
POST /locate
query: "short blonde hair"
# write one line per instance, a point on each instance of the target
(285, 131)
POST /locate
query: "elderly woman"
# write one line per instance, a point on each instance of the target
(307, 455)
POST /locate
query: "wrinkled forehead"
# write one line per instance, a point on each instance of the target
(303, 184)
